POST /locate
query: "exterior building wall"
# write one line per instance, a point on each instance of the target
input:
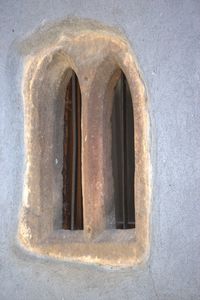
(164, 36)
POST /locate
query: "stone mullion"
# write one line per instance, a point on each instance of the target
(92, 157)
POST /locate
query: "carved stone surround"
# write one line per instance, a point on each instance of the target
(96, 53)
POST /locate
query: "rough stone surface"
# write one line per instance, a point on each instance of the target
(96, 53)
(165, 39)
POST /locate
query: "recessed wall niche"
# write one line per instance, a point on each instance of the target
(97, 54)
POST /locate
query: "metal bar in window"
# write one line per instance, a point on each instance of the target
(79, 202)
(129, 223)
(124, 151)
(74, 158)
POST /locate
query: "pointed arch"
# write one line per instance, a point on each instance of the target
(72, 183)
(123, 156)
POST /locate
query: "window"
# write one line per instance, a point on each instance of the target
(72, 186)
(85, 120)
(123, 155)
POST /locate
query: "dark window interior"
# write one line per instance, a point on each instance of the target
(123, 161)
(72, 189)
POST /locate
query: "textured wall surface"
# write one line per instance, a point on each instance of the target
(165, 39)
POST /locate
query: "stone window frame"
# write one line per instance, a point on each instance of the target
(96, 54)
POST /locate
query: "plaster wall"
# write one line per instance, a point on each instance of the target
(165, 38)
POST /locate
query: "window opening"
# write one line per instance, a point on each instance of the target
(72, 187)
(123, 161)
(53, 214)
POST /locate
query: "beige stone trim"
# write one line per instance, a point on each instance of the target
(96, 53)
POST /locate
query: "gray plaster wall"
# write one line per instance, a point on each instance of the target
(165, 36)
